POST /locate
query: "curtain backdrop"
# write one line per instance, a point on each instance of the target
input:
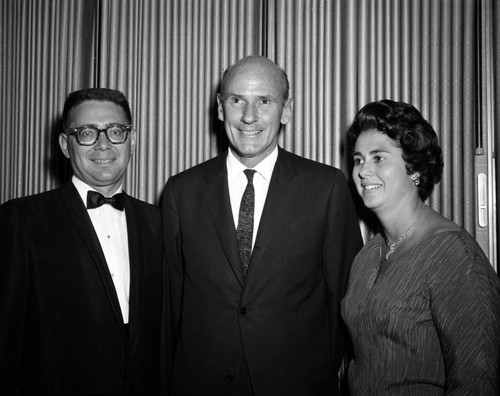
(168, 57)
(495, 134)
(45, 52)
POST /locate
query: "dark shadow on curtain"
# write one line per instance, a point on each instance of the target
(217, 126)
(58, 165)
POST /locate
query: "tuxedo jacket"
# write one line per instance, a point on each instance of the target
(279, 327)
(62, 329)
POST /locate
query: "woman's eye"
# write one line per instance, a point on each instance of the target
(358, 161)
(378, 158)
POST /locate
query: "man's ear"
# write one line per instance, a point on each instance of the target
(63, 143)
(220, 108)
(133, 141)
(286, 115)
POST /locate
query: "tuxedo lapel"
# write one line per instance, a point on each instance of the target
(78, 212)
(219, 206)
(136, 259)
(283, 186)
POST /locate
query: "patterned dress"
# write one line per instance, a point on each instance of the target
(427, 323)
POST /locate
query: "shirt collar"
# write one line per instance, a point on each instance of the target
(83, 188)
(264, 168)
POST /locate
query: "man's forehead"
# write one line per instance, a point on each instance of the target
(260, 83)
(96, 112)
(96, 107)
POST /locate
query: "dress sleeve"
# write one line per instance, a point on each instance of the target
(465, 302)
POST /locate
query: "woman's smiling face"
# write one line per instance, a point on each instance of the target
(379, 171)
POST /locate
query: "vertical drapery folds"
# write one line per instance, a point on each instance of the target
(168, 57)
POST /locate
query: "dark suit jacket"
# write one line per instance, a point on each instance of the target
(61, 326)
(279, 326)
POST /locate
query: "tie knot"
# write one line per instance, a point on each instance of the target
(249, 174)
(95, 200)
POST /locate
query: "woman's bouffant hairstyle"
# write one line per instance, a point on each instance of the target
(403, 123)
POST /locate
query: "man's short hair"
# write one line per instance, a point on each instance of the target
(100, 94)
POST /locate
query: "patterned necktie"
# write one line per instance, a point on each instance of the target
(95, 199)
(244, 231)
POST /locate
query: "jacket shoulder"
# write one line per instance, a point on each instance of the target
(203, 168)
(308, 165)
(40, 199)
(199, 174)
(143, 204)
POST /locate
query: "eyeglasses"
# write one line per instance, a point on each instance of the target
(88, 135)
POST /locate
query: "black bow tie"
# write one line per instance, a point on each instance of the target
(95, 199)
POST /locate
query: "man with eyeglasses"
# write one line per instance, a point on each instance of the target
(81, 279)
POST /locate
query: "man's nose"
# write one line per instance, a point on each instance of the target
(103, 142)
(250, 114)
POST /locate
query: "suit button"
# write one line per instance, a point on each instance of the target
(243, 311)
(229, 378)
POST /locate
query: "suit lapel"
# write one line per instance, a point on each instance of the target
(219, 206)
(76, 209)
(282, 188)
(136, 256)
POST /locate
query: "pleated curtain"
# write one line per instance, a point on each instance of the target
(44, 53)
(168, 56)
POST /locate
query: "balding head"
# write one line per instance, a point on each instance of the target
(259, 65)
(253, 103)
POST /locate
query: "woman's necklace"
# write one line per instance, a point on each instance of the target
(392, 246)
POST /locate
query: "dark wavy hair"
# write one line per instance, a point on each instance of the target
(100, 94)
(404, 124)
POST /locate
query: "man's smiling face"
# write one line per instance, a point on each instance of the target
(252, 108)
(103, 164)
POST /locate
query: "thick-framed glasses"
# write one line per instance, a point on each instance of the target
(88, 135)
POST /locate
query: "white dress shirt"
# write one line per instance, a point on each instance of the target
(110, 226)
(237, 182)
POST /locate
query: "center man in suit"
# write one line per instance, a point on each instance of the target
(81, 268)
(256, 303)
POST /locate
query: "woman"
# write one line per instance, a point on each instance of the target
(423, 302)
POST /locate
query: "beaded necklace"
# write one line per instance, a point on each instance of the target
(392, 246)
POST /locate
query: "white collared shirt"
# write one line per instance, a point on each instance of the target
(110, 226)
(237, 182)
